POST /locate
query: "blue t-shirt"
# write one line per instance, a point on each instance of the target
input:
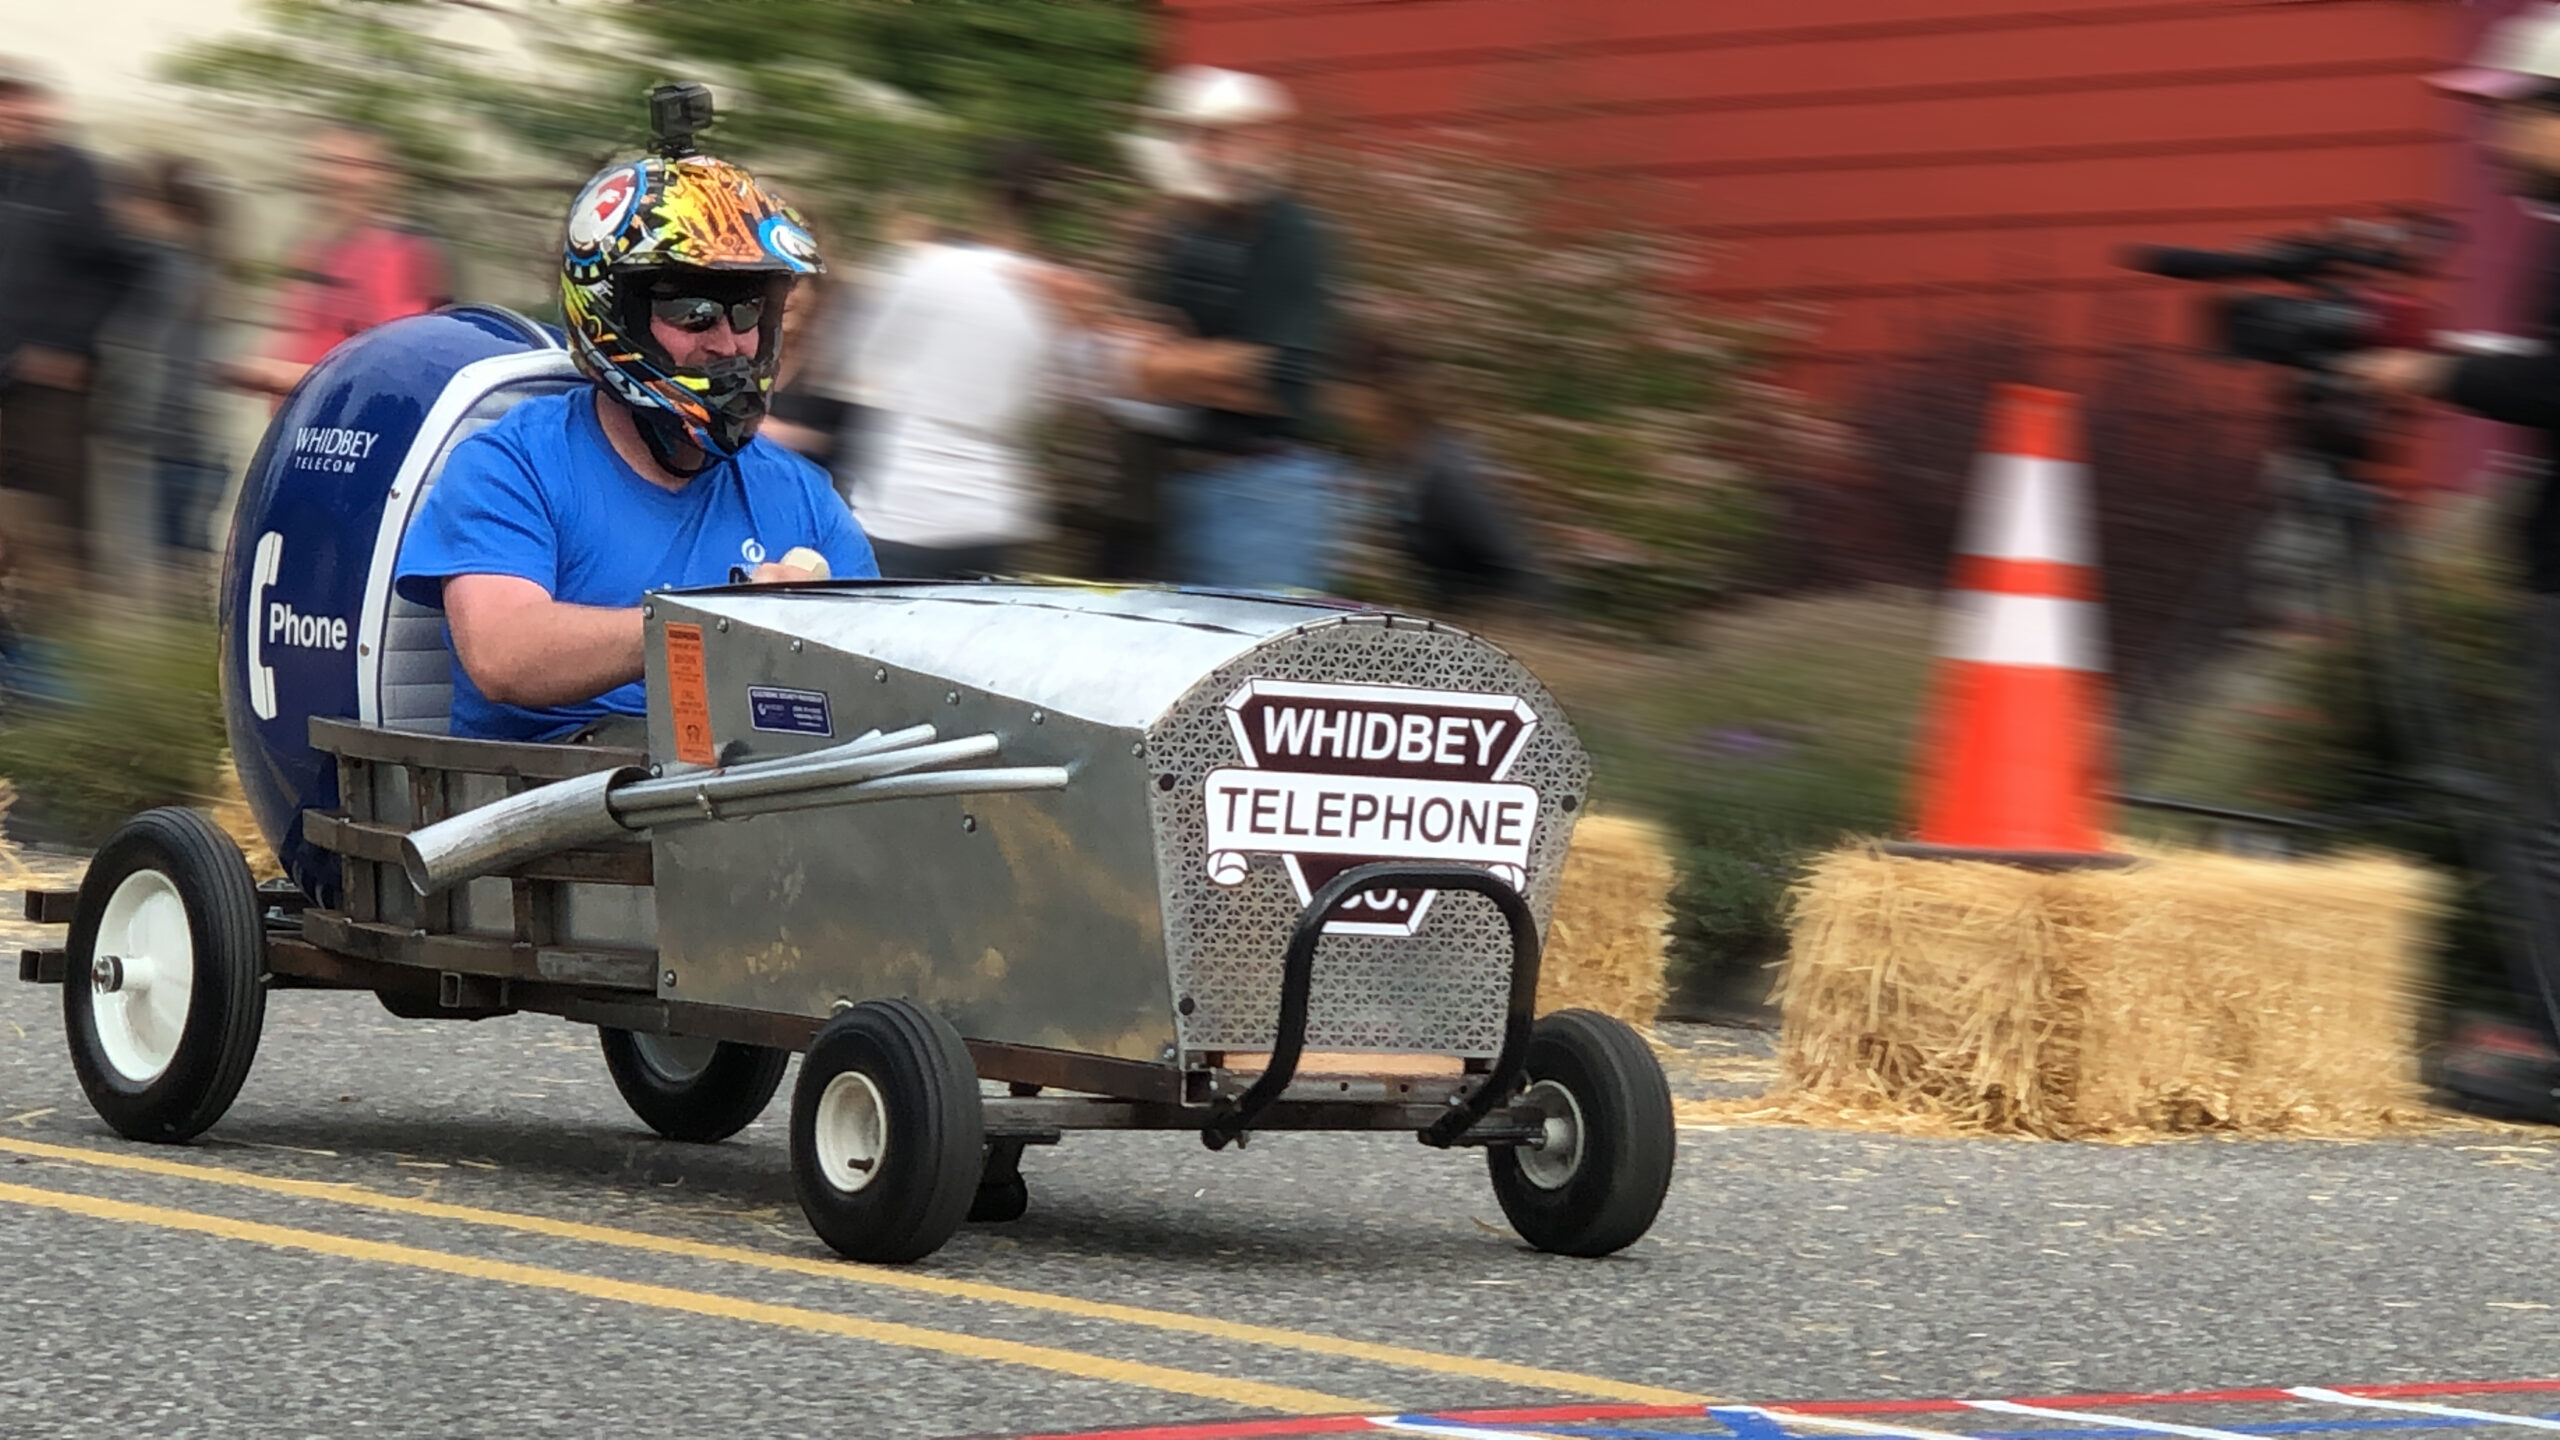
(541, 496)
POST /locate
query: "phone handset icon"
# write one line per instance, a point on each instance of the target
(266, 565)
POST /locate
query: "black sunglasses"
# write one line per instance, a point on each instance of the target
(694, 314)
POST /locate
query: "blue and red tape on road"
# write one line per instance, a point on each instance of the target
(2342, 1409)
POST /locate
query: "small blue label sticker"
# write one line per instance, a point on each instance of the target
(792, 712)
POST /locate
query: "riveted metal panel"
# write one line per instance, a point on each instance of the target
(1441, 989)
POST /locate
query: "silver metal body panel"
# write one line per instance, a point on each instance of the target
(1084, 919)
(1027, 919)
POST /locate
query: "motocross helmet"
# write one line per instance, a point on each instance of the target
(680, 225)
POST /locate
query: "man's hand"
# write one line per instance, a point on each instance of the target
(799, 563)
(1218, 374)
(1075, 295)
(261, 376)
(2416, 374)
(53, 369)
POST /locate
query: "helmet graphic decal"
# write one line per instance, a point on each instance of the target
(788, 240)
(600, 215)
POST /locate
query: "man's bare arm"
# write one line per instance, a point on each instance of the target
(521, 647)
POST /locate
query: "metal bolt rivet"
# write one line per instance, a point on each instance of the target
(657, 770)
(364, 649)
(951, 698)
(670, 978)
(795, 647)
(969, 823)
(881, 674)
(646, 611)
(106, 974)
(1165, 782)
(1138, 749)
(1186, 1005)
(1166, 1053)
(1037, 716)
(723, 626)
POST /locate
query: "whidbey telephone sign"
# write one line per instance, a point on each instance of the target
(1336, 776)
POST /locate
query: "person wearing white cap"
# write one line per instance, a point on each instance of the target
(2515, 79)
(1244, 267)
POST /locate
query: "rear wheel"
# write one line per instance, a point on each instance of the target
(165, 995)
(887, 1138)
(1595, 1184)
(687, 1088)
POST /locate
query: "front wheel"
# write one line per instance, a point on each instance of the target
(887, 1138)
(1596, 1182)
(691, 1089)
(166, 994)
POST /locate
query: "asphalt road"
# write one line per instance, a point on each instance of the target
(411, 1228)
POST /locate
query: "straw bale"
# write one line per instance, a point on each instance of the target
(14, 870)
(1606, 943)
(2188, 993)
(230, 810)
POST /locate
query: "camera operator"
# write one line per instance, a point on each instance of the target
(2515, 79)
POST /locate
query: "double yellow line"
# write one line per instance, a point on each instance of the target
(1247, 1393)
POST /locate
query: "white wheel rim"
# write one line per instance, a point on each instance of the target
(676, 1059)
(853, 1131)
(1553, 1164)
(140, 1001)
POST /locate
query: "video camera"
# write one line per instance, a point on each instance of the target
(2336, 316)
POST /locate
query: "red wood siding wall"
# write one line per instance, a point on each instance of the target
(1882, 156)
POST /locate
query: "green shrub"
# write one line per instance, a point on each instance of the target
(138, 724)
(1777, 730)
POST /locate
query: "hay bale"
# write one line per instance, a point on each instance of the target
(2189, 992)
(230, 809)
(1606, 943)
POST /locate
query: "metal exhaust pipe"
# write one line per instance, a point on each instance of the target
(998, 780)
(594, 808)
(500, 836)
(710, 794)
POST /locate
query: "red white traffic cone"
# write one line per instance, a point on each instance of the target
(2017, 755)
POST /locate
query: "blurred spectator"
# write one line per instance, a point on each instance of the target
(954, 359)
(1446, 513)
(61, 269)
(808, 407)
(817, 407)
(359, 268)
(1247, 499)
(155, 410)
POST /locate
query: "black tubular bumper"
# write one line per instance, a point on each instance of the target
(1297, 978)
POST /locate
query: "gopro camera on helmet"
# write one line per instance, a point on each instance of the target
(677, 113)
(2335, 316)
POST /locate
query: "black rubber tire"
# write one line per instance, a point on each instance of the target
(227, 1007)
(1609, 1199)
(925, 1177)
(701, 1109)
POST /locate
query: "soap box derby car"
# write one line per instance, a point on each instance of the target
(1001, 860)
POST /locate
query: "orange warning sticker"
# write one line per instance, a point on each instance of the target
(689, 696)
